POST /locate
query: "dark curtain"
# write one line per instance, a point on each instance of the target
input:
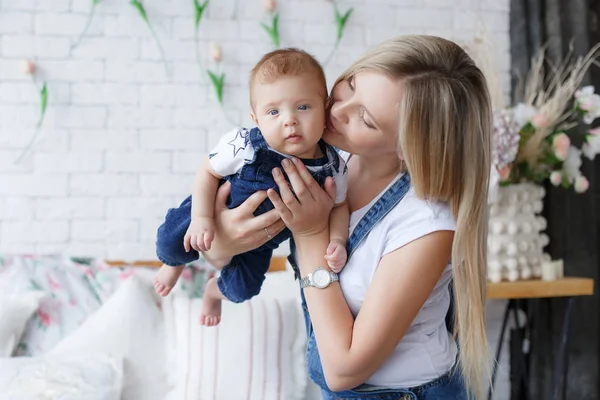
(573, 219)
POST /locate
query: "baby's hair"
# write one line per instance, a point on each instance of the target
(286, 62)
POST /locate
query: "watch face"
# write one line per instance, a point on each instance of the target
(321, 278)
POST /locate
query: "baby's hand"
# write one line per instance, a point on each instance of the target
(200, 234)
(336, 255)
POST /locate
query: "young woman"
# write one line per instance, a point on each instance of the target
(413, 119)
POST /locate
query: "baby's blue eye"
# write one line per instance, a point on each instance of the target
(303, 107)
(273, 112)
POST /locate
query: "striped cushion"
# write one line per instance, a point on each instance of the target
(255, 353)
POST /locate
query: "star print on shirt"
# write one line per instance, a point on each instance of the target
(240, 141)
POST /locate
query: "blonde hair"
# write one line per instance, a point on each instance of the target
(445, 127)
(286, 62)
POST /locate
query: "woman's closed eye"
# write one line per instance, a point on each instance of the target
(350, 82)
(363, 120)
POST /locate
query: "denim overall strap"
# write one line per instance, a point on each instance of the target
(257, 139)
(380, 209)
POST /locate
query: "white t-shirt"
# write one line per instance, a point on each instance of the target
(235, 150)
(427, 350)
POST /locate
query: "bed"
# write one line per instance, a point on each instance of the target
(95, 329)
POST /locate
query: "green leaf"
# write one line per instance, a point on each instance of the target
(199, 11)
(217, 81)
(43, 103)
(341, 21)
(141, 10)
(565, 182)
(266, 28)
(275, 35)
(95, 2)
(273, 31)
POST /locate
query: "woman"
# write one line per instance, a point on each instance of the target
(413, 119)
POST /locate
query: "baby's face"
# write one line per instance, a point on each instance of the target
(290, 113)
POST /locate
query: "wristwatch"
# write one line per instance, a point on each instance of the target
(319, 278)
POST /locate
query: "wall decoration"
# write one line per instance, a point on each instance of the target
(142, 12)
(272, 29)
(217, 78)
(199, 9)
(29, 69)
(340, 19)
(86, 27)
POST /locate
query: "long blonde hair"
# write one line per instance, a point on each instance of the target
(445, 127)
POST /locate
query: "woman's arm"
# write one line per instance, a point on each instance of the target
(238, 230)
(352, 350)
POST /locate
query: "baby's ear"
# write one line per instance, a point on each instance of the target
(254, 118)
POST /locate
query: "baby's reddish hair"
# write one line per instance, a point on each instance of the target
(285, 62)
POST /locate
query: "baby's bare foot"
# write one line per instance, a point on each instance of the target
(166, 278)
(211, 304)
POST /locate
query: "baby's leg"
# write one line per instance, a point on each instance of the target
(239, 281)
(170, 249)
(166, 278)
(211, 303)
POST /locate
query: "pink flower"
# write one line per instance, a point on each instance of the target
(539, 121)
(28, 67)
(561, 144)
(216, 54)
(581, 184)
(595, 131)
(555, 178)
(53, 284)
(504, 173)
(44, 317)
(126, 274)
(270, 5)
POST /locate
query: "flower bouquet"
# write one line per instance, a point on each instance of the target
(531, 143)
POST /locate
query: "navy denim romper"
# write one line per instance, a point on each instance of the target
(242, 278)
(449, 386)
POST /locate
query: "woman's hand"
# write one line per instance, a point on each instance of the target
(238, 230)
(307, 212)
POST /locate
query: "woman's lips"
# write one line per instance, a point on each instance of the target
(331, 127)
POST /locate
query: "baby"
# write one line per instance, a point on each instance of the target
(287, 95)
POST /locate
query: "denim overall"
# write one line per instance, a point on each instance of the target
(449, 386)
(242, 278)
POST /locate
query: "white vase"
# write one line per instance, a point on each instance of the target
(515, 238)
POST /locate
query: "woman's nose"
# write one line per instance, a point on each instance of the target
(339, 110)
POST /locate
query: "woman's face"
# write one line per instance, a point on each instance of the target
(363, 119)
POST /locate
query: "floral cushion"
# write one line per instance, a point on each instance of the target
(74, 289)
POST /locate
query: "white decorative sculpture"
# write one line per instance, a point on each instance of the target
(515, 241)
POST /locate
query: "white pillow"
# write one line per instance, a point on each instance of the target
(256, 352)
(97, 377)
(15, 311)
(128, 325)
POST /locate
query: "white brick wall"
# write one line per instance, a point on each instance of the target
(121, 139)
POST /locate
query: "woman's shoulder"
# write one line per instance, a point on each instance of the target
(414, 207)
(415, 217)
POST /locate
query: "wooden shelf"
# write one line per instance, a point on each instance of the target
(532, 289)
